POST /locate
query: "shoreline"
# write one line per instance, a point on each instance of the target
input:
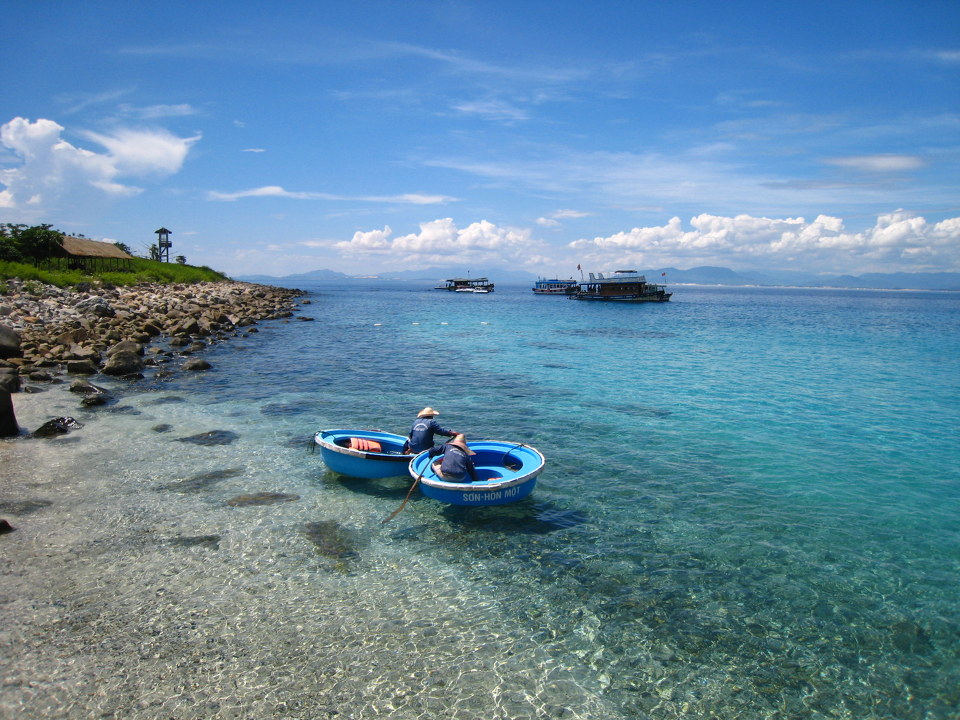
(49, 334)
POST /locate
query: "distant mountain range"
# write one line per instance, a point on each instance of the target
(694, 276)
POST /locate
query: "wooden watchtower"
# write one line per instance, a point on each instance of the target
(163, 244)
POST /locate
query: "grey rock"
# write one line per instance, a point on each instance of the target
(9, 343)
(124, 362)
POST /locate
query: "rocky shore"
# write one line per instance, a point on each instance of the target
(47, 332)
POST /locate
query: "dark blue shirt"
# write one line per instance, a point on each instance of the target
(456, 464)
(422, 432)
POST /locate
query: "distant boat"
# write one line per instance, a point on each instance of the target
(621, 286)
(555, 286)
(508, 472)
(366, 454)
(466, 285)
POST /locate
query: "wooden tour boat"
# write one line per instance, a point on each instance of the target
(470, 285)
(621, 286)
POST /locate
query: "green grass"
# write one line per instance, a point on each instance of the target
(142, 271)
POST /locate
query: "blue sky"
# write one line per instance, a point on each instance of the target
(279, 138)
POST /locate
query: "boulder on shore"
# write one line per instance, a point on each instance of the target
(9, 383)
(9, 343)
(9, 379)
(124, 362)
(44, 326)
(8, 418)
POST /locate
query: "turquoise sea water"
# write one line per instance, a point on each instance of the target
(751, 509)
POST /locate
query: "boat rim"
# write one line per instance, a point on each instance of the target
(481, 485)
(361, 454)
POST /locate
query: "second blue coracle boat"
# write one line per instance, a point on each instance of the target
(366, 454)
(507, 472)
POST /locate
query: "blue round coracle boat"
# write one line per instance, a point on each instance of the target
(363, 453)
(508, 472)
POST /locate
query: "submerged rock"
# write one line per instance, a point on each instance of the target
(6, 527)
(203, 480)
(162, 428)
(210, 541)
(261, 498)
(165, 400)
(331, 539)
(909, 637)
(212, 437)
(196, 364)
(93, 395)
(281, 409)
(95, 400)
(24, 507)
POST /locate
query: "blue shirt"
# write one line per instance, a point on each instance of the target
(422, 432)
(456, 464)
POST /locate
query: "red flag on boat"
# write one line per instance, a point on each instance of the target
(663, 274)
(578, 266)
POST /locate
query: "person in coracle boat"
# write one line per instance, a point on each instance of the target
(423, 430)
(456, 465)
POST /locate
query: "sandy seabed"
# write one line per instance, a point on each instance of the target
(122, 599)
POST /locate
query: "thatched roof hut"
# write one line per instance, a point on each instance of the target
(92, 255)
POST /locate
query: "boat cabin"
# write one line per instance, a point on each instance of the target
(466, 285)
(555, 286)
(621, 285)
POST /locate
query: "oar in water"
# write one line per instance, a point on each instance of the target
(404, 503)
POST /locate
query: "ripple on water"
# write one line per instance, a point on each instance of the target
(765, 547)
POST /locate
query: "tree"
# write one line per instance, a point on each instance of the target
(9, 247)
(9, 250)
(181, 259)
(122, 246)
(31, 243)
(154, 252)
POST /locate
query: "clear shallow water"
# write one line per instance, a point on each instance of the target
(750, 509)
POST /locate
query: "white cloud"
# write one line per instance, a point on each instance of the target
(495, 110)
(564, 214)
(81, 101)
(442, 241)
(253, 150)
(371, 241)
(277, 191)
(411, 198)
(265, 191)
(879, 163)
(900, 238)
(553, 219)
(145, 152)
(153, 112)
(53, 171)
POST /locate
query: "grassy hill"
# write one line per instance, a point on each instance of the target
(143, 271)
